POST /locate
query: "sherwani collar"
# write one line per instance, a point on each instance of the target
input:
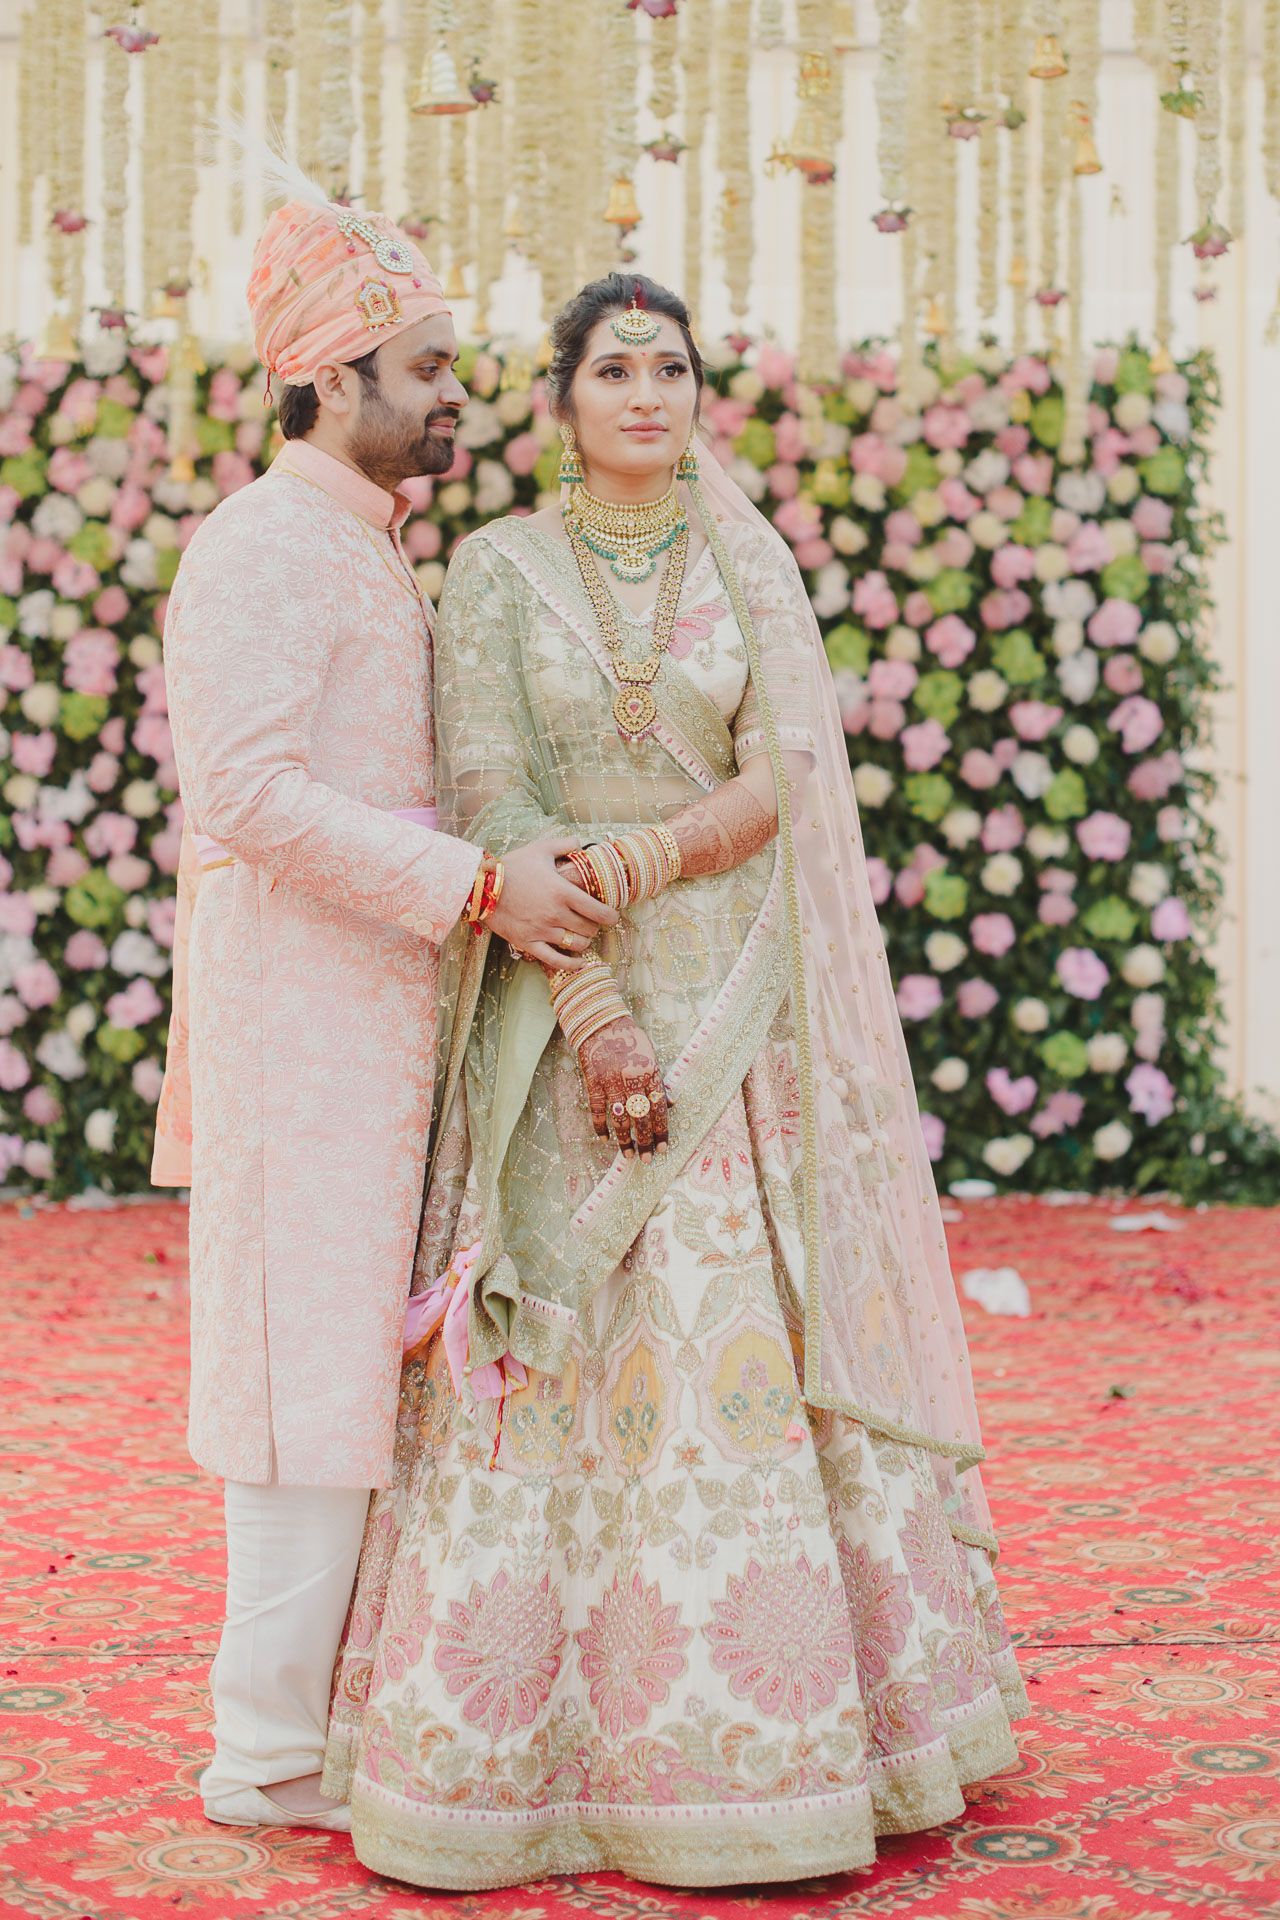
(386, 511)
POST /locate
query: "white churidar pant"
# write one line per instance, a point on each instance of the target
(291, 1565)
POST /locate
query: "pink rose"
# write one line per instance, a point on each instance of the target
(880, 876)
(85, 952)
(75, 579)
(108, 834)
(17, 915)
(1150, 1093)
(1104, 836)
(1057, 910)
(111, 606)
(919, 995)
(130, 507)
(231, 472)
(1108, 447)
(1088, 551)
(65, 866)
(148, 1079)
(892, 679)
(902, 529)
(959, 502)
(136, 1005)
(1027, 372)
(128, 872)
(789, 440)
(1157, 557)
(1011, 1096)
(1005, 502)
(886, 719)
(153, 736)
(909, 887)
(1034, 719)
(1152, 518)
(111, 737)
(1004, 608)
(16, 670)
(979, 770)
(1064, 525)
(1012, 564)
(1145, 440)
(875, 601)
(992, 933)
(812, 554)
(1170, 920)
(1003, 829)
(951, 640)
(14, 1071)
(523, 453)
(955, 549)
(1106, 365)
(33, 753)
(1034, 472)
(917, 609)
(422, 539)
(41, 1107)
(1171, 822)
(103, 772)
(1060, 1111)
(935, 1134)
(1013, 440)
(68, 470)
(90, 659)
(1082, 973)
(924, 745)
(946, 426)
(166, 848)
(36, 984)
(1116, 623)
(775, 366)
(784, 480)
(1153, 779)
(1138, 721)
(976, 998)
(1122, 673)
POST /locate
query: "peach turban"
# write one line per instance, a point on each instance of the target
(330, 284)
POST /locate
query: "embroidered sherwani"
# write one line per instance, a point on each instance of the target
(298, 657)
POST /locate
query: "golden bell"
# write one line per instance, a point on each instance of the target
(182, 469)
(1017, 271)
(935, 319)
(517, 373)
(440, 90)
(59, 341)
(456, 286)
(1049, 63)
(190, 358)
(1086, 160)
(807, 150)
(1161, 361)
(622, 210)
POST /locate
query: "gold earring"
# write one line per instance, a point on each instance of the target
(687, 465)
(570, 459)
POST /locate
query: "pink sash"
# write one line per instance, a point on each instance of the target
(171, 1157)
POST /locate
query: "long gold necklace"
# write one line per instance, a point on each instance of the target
(634, 707)
(630, 535)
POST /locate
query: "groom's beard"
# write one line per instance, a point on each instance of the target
(390, 447)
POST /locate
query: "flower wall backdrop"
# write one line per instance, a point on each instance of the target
(1015, 650)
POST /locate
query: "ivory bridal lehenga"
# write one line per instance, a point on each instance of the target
(708, 1596)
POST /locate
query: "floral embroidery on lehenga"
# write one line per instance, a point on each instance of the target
(631, 1653)
(499, 1649)
(782, 1636)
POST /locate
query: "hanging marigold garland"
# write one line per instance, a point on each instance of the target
(422, 136)
(1236, 95)
(490, 134)
(1168, 185)
(114, 149)
(695, 63)
(1014, 50)
(373, 46)
(819, 353)
(733, 126)
(337, 108)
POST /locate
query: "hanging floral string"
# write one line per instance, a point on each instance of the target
(695, 62)
(1014, 49)
(733, 125)
(1271, 95)
(1168, 183)
(1236, 78)
(819, 353)
(422, 141)
(1052, 105)
(527, 121)
(32, 79)
(988, 223)
(277, 60)
(891, 102)
(115, 169)
(373, 44)
(337, 108)
(1205, 36)
(308, 75)
(663, 49)
(770, 25)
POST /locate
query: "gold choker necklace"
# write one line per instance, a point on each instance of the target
(629, 535)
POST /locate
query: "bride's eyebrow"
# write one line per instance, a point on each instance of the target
(621, 354)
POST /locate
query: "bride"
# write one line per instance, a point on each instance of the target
(686, 1571)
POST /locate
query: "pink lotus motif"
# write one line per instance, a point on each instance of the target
(631, 1652)
(500, 1649)
(782, 1635)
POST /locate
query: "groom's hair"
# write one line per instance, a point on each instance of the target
(573, 325)
(300, 406)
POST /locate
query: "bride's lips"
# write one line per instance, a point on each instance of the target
(646, 433)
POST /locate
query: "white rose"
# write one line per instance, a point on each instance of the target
(1121, 537)
(138, 568)
(109, 457)
(747, 385)
(944, 951)
(44, 899)
(986, 470)
(830, 594)
(37, 1159)
(495, 488)
(919, 389)
(1080, 744)
(1051, 562)
(66, 622)
(74, 802)
(1071, 599)
(1123, 486)
(949, 462)
(140, 799)
(35, 611)
(105, 353)
(96, 496)
(1143, 966)
(1106, 1052)
(1081, 493)
(81, 1021)
(903, 643)
(160, 530)
(1172, 824)
(1030, 1015)
(987, 690)
(135, 907)
(987, 530)
(1078, 676)
(202, 495)
(20, 790)
(961, 826)
(1132, 410)
(923, 564)
(1148, 883)
(1173, 417)
(872, 784)
(861, 394)
(455, 498)
(135, 953)
(41, 703)
(1068, 638)
(16, 951)
(100, 1130)
(1006, 1156)
(478, 426)
(867, 491)
(431, 578)
(1032, 774)
(1047, 843)
(1113, 1141)
(513, 406)
(928, 507)
(846, 536)
(950, 1074)
(147, 1078)
(61, 430)
(57, 518)
(749, 478)
(144, 650)
(1158, 643)
(1002, 874)
(59, 1054)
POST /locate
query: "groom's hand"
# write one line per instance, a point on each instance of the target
(542, 913)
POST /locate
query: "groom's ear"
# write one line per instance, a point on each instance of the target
(333, 385)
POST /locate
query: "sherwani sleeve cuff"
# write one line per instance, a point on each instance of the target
(454, 865)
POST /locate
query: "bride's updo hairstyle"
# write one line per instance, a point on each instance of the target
(601, 300)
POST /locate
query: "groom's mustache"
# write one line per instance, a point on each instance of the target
(442, 415)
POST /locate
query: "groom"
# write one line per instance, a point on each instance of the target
(314, 895)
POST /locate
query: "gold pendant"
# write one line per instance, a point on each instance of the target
(634, 710)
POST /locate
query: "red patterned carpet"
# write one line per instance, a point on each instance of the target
(1135, 1427)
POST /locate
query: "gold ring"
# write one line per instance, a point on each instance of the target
(639, 1106)
(566, 939)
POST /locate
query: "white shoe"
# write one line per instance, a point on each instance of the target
(251, 1807)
